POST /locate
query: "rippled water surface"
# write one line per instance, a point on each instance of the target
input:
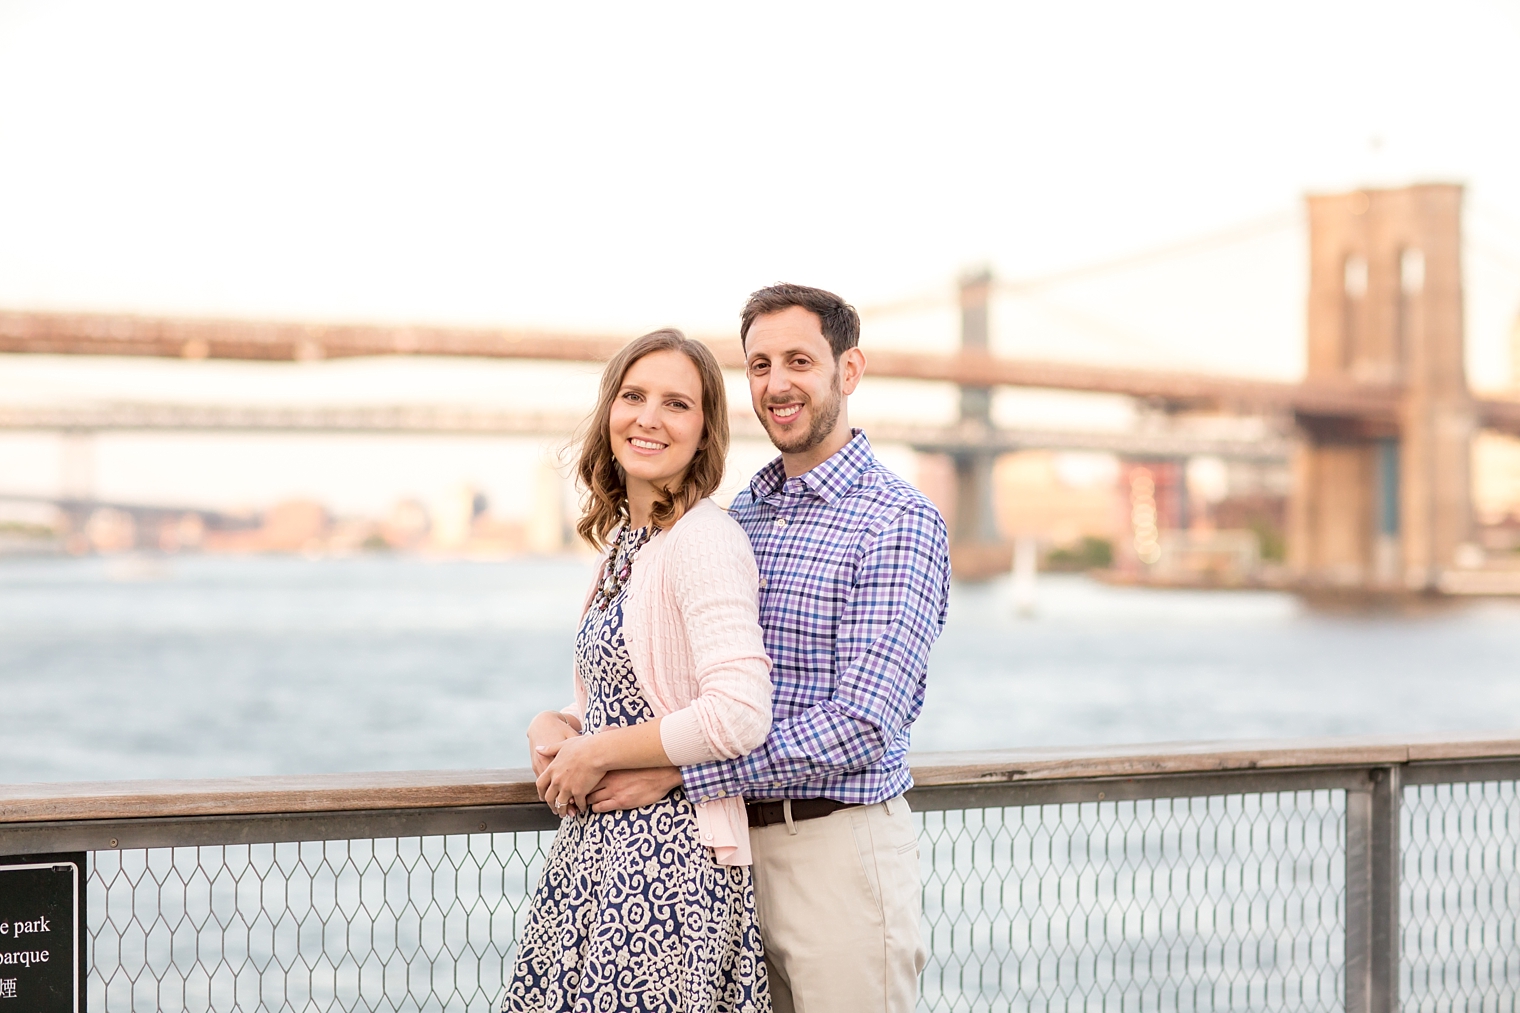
(214, 666)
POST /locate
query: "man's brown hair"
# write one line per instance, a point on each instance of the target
(840, 323)
(604, 495)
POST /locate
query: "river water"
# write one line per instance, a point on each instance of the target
(201, 666)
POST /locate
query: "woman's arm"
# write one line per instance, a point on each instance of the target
(711, 574)
(549, 728)
(716, 587)
(575, 764)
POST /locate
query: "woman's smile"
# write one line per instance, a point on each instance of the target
(655, 426)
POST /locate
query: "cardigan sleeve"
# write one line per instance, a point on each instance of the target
(684, 741)
(716, 588)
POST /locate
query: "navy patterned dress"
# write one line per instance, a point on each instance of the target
(632, 913)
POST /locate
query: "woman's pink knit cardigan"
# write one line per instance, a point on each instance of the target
(691, 621)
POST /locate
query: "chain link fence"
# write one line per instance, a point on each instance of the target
(1461, 897)
(413, 923)
(1222, 903)
(1179, 900)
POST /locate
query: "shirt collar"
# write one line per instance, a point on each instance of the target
(829, 480)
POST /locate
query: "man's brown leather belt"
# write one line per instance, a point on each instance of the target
(766, 814)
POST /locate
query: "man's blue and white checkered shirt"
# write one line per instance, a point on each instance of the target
(854, 586)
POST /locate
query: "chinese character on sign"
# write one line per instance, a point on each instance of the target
(7, 988)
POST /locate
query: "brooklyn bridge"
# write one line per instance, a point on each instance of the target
(1377, 434)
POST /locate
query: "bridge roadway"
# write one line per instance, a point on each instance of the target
(105, 334)
(1159, 438)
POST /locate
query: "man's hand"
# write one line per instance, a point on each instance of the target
(633, 789)
(549, 728)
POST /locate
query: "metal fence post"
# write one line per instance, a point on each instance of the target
(1372, 893)
(1387, 854)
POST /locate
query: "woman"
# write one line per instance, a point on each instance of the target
(653, 908)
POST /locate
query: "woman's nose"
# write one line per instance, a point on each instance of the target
(649, 415)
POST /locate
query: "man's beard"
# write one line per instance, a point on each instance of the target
(825, 416)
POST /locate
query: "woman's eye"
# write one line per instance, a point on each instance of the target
(630, 396)
(680, 406)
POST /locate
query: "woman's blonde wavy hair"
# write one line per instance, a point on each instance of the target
(604, 494)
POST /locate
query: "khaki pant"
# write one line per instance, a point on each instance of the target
(839, 900)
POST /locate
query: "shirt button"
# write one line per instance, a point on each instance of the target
(722, 793)
(708, 836)
(763, 582)
(780, 522)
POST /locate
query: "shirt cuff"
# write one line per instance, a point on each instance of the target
(684, 741)
(719, 778)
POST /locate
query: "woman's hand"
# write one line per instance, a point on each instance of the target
(576, 765)
(549, 728)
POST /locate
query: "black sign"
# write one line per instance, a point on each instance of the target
(42, 933)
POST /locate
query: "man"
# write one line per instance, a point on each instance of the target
(854, 581)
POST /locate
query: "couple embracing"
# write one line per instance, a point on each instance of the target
(731, 772)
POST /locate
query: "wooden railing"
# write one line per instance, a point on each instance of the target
(1372, 772)
(24, 807)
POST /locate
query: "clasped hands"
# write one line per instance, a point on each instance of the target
(572, 776)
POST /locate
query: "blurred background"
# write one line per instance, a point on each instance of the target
(1200, 324)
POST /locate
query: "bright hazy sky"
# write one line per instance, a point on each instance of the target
(626, 166)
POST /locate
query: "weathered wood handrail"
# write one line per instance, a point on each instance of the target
(361, 792)
(1359, 782)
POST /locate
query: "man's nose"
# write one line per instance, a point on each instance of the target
(777, 384)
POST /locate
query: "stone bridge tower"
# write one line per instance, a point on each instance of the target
(1385, 502)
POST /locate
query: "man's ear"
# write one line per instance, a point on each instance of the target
(852, 366)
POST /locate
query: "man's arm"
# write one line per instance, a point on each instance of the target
(894, 613)
(633, 789)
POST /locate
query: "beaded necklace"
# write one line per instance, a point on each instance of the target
(619, 565)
